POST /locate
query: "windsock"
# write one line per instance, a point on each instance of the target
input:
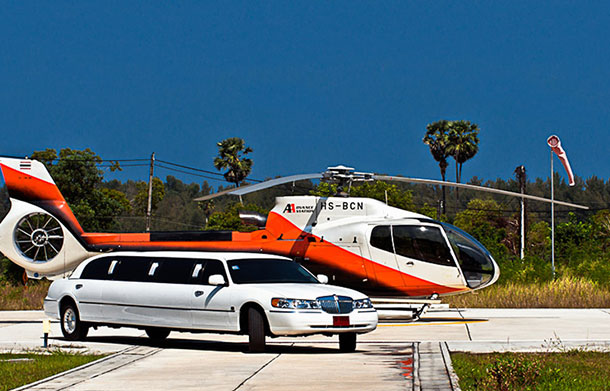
(555, 145)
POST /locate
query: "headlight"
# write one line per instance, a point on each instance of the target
(294, 303)
(362, 303)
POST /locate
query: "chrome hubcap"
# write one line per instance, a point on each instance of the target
(69, 320)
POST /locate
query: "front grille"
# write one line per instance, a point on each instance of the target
(336, 304)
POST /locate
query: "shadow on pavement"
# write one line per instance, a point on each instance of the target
(219, 346)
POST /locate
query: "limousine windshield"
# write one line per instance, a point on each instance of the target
(263, 271)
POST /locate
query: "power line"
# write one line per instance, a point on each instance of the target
(188, 167)
(200, 170)
(189, 173)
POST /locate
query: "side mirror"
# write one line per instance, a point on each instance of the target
(322, 278)
(217, 279)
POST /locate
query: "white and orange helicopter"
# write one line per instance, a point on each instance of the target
(360, 243)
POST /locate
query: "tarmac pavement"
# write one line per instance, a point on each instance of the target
(397, 356)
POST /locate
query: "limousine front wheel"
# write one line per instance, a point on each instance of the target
(347, 342)
(256, 331)
(71, 326)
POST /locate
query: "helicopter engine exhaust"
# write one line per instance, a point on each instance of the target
(253, 218)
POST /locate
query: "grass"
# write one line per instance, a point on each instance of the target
(573, 370)
(19, 297)
(37, 366)
(566, 292)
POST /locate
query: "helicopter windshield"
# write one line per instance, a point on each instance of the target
(476, 262)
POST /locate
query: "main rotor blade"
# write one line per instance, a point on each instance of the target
(474, 187)
(275, 182)
(220, 193)
(260, 186)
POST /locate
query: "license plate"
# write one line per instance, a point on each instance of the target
(340, 321)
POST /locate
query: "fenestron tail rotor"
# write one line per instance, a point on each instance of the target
(39, 237)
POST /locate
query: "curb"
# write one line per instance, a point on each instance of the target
(453, 377)
(85, 366)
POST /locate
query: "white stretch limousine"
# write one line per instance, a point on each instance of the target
(254, 294)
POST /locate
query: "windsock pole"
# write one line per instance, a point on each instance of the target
(555, 144)
(552, 219)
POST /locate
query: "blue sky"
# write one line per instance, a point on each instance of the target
(308, 84)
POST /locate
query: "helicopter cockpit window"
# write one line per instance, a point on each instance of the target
(381, 238)
(424, 243)
(475, 260)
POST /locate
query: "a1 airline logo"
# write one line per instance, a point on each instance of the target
(290, 208)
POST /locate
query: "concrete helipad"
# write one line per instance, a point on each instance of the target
(394, 357)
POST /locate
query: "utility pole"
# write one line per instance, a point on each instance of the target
(150, 186)
(521, 177)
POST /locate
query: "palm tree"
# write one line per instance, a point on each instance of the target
(463, 144)
(231, 154)
(437, 138)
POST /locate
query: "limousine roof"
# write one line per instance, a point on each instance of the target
(220, 255)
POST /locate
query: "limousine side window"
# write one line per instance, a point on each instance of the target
(175, 270)
(131, 269)
(212, 267)
(97, 270)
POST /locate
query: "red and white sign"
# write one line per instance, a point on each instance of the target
(555, 145)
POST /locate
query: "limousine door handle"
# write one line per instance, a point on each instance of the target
(198, 293)
(78, 286)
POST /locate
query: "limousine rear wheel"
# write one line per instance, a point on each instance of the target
(256, 331)
(71, 326)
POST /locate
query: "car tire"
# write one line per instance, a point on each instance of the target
(157, 334)
(71, 326)
(347, 342)
(256, 331)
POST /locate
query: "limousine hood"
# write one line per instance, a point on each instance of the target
(306, 291)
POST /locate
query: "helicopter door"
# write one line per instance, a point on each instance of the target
(382, 254)
(423, 252)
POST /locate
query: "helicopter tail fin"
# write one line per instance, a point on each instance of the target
(40, 233)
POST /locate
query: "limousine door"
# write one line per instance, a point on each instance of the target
(136, 295)
(211, 307)
(88, 289)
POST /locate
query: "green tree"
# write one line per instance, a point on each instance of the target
(483, 219)
(231, 156)
(428, 210)
(79, 179)
(573, 232)
(229, 218)
(601, 224)
(398, 198)
(324, 189)
(437, 139)
(539, 239)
